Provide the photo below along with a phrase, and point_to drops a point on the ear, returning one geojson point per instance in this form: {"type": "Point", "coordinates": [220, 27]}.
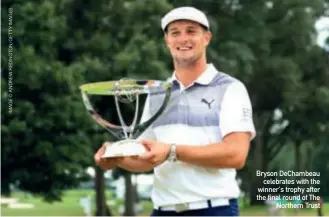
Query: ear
{"type": "Point", "coordinates": [208, 37]}
{"type": "Point", "coordinates": [166, 39]}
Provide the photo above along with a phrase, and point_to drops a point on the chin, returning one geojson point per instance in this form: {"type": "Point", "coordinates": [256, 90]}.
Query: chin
{"type": "Point", "coordinates": [190, 58]}
{"type": "Point", "coordinates": [185, 61]}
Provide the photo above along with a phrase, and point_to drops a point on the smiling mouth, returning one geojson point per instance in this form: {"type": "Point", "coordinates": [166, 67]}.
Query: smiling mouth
{"type": "Point", "coordinates": [184, 48]}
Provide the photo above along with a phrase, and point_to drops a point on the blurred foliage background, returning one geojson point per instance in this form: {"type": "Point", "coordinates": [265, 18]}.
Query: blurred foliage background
{"type": "Point", "coordinates": [49, 139]}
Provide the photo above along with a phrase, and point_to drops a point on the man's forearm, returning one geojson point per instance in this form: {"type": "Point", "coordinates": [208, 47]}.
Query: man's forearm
{"type": "Point", "coordinates": [212, 155]}
{"type": "Point", "coordinates": [134, 165]}
{"type": "Point", "coordinates": [216, 155]}
{"type": "Point", "coordinates": [230, 153]}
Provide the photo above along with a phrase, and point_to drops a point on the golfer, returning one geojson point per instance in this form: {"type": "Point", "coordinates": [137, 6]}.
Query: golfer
{"type": "Point", "coordinates": [203, 136]}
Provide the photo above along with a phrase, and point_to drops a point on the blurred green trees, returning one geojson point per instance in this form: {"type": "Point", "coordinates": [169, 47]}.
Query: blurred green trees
{"type": "Point", "coordinates": [49, 139]}
{"type": "Point", "coordinates": [43, 138]}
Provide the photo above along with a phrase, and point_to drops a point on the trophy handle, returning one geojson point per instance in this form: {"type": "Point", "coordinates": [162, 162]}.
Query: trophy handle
{"type": "Point", "coordinates": [138, 130]}
{"type": "Point", "coordinates": [115, 130]}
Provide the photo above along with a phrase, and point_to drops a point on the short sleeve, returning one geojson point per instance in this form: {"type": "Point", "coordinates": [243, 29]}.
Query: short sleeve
{"type": "Point", "coordinates": [146, 115]}
{"type": "Point", "coordinates": [236, 111]}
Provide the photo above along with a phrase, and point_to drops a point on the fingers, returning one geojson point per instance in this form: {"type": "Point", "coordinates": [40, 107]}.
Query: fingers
{"type": "Point", "coordinates": [136, 157]}
{"type": "Point", "coordinates": [111, 161]}
{"type": "Point", "coordinates": [100, 152]}
{"type": "Point", "coordinates": [117, 159]}
{"type": "Point", "coordinates": [147, 156]}
{"type": "Point", "coordinates": [155, 151]}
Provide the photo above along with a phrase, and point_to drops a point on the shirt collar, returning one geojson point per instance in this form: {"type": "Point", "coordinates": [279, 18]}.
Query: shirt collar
{"type": "Point", "coordinates": [204, 79]}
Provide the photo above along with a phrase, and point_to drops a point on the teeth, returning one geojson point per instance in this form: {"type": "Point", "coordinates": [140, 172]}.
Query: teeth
{"type": "Point", "coordinates": [184, 48]}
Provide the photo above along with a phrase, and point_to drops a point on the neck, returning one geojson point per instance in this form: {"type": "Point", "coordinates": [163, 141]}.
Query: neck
{"type": "Point", "coordinates": [188, 73]}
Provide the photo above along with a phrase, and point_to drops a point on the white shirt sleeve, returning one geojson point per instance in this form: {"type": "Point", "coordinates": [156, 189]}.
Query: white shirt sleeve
{"type": "Point", "coordinates": [236, 111]}
{"type": "Point", "coordinates": [146, 115]}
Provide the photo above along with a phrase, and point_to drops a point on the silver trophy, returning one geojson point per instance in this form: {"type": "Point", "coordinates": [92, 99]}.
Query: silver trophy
{"type": "Point", "coordinates": [126, 92]}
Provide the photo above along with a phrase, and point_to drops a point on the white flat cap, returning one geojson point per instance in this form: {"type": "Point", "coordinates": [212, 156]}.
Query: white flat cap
{"type": "Point", "coordinates": [184, 13]}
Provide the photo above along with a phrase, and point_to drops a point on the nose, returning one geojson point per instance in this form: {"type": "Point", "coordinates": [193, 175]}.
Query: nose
{"type": "Point", "coordinates": [183, 38]}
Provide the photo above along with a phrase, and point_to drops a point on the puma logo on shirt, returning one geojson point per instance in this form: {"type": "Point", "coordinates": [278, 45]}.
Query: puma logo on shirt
{"type": "Point", "coordinates": [206, 102]}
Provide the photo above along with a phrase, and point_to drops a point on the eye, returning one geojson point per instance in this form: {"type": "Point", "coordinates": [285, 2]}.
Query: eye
{"type": "Point", "coordinates": [191, 31]}
{"type": "Point", "coordinates": [174, 33]}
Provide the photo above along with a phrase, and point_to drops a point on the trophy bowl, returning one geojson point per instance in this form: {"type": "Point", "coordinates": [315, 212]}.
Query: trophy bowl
{"type": "Point", "coordinates": [126, 91]}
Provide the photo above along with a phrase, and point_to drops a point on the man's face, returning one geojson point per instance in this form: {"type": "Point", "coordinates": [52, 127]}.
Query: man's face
{"type": "Point", "coordinates": [187, 41]}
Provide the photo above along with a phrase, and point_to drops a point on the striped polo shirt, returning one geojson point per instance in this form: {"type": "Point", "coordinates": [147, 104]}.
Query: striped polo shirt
{"type": "Point", "coordinates": [213, 106]}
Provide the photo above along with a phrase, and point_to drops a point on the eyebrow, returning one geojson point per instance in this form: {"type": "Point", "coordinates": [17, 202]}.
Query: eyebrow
{"type": "Point", "coordinates": [175, 28]}
{"type": "Point", "coordinates": [172, 29]}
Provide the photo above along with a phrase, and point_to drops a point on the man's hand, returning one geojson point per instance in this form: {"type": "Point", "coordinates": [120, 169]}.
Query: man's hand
{"type": "Point", "coordinates": [106, 163]}
{"type": "Point", "coordinates": [157, 151]}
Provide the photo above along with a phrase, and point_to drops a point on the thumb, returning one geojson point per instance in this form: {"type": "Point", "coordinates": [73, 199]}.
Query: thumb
{"type": "Point", "coordinates": [101, 150]}
{"type": "Point", "coordinates": [147, 144]}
